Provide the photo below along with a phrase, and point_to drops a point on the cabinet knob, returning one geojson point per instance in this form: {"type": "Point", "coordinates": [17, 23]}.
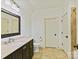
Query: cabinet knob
{"type": "Point", "coordinates": [24, 47]}
{"type": "Point", "coordinates": [66, 36]}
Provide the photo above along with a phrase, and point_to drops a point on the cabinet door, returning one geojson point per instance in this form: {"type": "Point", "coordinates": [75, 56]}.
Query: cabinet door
{"type": "Point", "coordinates": [31, 49]}
{"type": "Point", "coordinates": [17, 54]}
{"type": "Point", "coordinates": [26, 51]}
{"type": "Point", "coordinates": [8, 57]}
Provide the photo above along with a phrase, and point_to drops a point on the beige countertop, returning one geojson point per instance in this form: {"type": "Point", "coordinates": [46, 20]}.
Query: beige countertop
{"type": "Point", "coordinates": [7, 49]}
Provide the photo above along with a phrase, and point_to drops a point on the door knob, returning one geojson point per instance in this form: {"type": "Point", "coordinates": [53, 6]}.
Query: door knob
{"type": "Point", "coordinates": [66, 36]}
{"type": "Point", "coordinates": [54, 34]}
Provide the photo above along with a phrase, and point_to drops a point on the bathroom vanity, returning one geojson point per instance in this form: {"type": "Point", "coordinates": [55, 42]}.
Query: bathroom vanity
{"type": "Point", "coordinates": [14, 48]}
{"type": "Point", "coordinates": [20, 49]}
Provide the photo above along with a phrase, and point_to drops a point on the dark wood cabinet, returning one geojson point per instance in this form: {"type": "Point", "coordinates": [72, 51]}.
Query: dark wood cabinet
{"type": "Point", "coordinates": [31, 49]}
{"type": "Point", "coordinates": [17, 54]}
{"type": "Point", "coordinates": [28, 50]}
{"type": "Point", "coordinates": [25, 52]}
{"type": "Point", "coordinates": [8, 57]}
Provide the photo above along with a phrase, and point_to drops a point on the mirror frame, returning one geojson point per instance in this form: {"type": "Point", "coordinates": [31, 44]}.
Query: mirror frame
{"type": "Point", "coordinates": [14, 15]}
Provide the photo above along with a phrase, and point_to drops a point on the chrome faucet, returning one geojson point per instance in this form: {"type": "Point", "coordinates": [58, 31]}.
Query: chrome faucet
{"type": "Point", "coordinates": [11, 40]}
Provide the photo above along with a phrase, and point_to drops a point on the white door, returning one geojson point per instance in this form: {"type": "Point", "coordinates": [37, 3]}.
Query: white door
{"type": "Point", "coordinates": [52, 32]}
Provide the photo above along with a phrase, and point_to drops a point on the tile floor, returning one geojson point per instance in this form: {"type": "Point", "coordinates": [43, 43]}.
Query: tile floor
{"type": "Point", "coordinates": [50, 53]}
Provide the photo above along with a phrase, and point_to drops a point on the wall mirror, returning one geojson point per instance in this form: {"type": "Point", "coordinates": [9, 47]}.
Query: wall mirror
{"type": "Point", "coordinates": [10, 24]}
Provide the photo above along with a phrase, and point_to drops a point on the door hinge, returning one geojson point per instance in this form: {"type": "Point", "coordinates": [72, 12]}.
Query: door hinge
{"type": "Point", "coordinates": [62, 44]}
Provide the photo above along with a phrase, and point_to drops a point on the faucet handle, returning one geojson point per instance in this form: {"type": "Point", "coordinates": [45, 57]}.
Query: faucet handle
{"type": "Point", "coordinates": [9, 41]}
{"type": "Point", "coordinates": [13, 39]}
{"type": "Point", "coordinates": [5, 42]}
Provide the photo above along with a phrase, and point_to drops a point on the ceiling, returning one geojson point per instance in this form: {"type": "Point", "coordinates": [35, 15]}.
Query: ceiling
{"type": "Point", "coordinates": [48, 3]}
{"type": "Point", "coordinates": [39, 4]}
{"type": "Point", "coordinates": [36, 4]}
